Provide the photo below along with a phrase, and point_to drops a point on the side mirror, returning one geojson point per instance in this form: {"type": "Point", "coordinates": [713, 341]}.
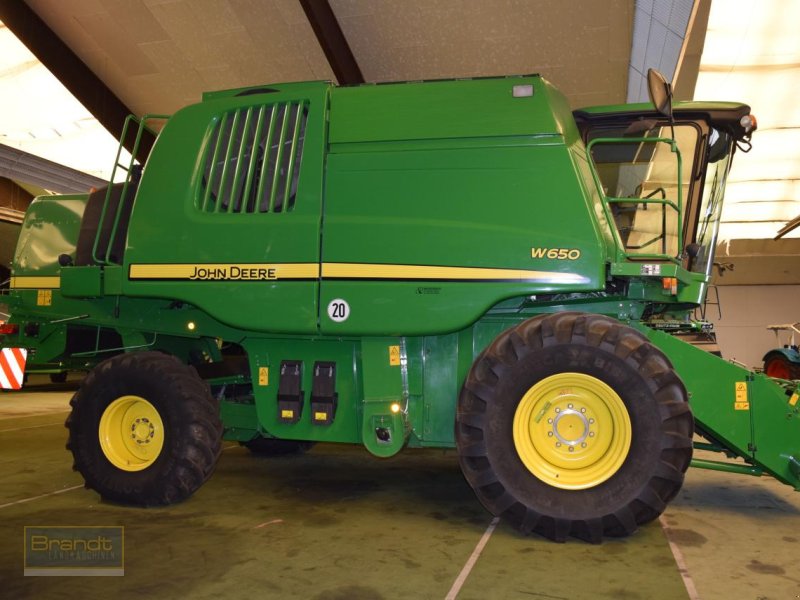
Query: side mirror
{"type": "Point", "coordinates": [692, 250]}
{"type": "Point", "coordinates": [660, 92]}
{"type": "Point", "coordinates": [65, 260]}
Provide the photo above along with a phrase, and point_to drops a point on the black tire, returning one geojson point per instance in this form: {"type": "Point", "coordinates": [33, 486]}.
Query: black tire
{"type": "Point", "coordinates": [192, 429]}
{"type": "Point", "coordinates": [776, 364]}
{"type": "Point", "coordinates": [58, 377]}
{"type": "Point", "coordinates": [274, 447]}
{"type": "Point", "coordinates": [661, 427]}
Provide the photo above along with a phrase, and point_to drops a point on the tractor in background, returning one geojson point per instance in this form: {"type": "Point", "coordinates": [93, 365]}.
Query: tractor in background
{"type": "Point", "coordinates": [783, 362]}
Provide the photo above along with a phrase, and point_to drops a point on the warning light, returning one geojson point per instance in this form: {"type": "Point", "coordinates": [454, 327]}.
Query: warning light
{"type": "Point", "coordinates": [191, 326]}
{"type": "Point", "coordinates": [8, 328]}
{"type": "Point", "coordinates": [748, 123]}
{"type": "Point", "coordinates": [670, 285]}
{"type": "Point", "coordinates": [395, 408]}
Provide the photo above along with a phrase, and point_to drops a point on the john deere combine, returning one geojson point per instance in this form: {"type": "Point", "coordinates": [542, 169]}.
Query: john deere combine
{"type": "Point", "coordinates": [462, 264]}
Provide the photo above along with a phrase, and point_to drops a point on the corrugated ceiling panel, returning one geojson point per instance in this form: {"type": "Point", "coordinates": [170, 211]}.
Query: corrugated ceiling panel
{"type": "Point", "coordinates": [160, 55]}
{"type": "Point", "coordinates": [582, 47]}
{"type": "Point", "coordinates": [752, 54]}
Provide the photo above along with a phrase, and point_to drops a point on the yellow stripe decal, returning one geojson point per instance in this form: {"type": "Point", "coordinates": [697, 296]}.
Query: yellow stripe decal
{"type": "Point", "coordinates": [32, 283]}
{"type": "Point", "coordinates": [275, 271]}
{"type": "Point", "coordinates": [425, 272]}
{"type": "Point", "coordinates": [227, 271]}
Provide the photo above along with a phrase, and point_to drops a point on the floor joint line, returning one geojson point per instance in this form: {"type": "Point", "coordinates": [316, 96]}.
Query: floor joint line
{"type": "Point", "coordinates": [465, 571]}
{"type": "Point", "coordinates": [31, 499]}
{"type": "Point", "coordinates": [688, 582]}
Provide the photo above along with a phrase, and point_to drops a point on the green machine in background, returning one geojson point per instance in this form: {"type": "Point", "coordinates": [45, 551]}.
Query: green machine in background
{"type": "Point", "coordinates": [462, 264]}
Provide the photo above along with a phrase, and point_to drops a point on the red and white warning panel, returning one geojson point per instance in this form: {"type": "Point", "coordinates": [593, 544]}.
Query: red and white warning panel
{"type": "Point", "coordinates": [12, 367]}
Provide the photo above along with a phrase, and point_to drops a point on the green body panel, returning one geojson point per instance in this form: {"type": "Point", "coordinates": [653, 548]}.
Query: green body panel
{"type": "Point", "coordinates": [50, 228]}
{"type": "Point", "coordinates": [403, 218]}
{"type": "Point", "coordinates": [433, 184]}
{"type": "Point", "coordinates": [477, 108]}
{"type": "Point", "coordinates": [267, 353]}
{"type": "Point", "coordinates": [82, 282]}
{"type": "Point", "coordinates": [384, 364]}
{"type": "Point", "coordinates": [648, 286]}
{"type": "Point", "coordinates": [414, 190]}
{"type": "Point", "coordinates": [165, 209]}
{"type": "Point", "coordinates": [758, 424]}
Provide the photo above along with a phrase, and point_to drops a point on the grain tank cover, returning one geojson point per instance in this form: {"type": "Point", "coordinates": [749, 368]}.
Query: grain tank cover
{"type": "Point", "coordinates": [442, 110]}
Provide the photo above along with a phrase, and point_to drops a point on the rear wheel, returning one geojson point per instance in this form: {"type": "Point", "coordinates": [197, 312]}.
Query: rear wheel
{"type": "Point", "coordinates": [574, 424]}
{"type": "Point", "coordinates": [144, 429]}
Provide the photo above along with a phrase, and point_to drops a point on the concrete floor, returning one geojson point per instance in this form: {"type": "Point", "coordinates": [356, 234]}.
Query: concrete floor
{"type": "Point", "coordinates": [339, 524]}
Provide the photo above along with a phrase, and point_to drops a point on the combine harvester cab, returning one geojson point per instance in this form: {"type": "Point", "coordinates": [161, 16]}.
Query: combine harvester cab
{"type": "Point", "coordinates": [443, 264]}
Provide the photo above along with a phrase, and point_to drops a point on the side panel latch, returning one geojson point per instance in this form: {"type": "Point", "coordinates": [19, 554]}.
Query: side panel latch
{"type": "Point", "coordinates": [323, 393]}
{"type": "Point", "coordinates": [290, 396]}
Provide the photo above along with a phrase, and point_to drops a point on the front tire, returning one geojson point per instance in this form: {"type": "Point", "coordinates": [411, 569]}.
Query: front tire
{"type": "Point", "coordinates": [144, 429]}
{"type": "Point", "coordinates": [574, 424]}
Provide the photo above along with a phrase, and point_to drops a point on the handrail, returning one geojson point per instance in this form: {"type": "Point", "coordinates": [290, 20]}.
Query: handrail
{"type": "Point", "coordinates": [141, 122]}
{"type": "Point", "coordinates": [668, 202]}
{"type": "Point", "coordinates": [606, 200]}
{"type": "Point", "coordinates": [664, 202]}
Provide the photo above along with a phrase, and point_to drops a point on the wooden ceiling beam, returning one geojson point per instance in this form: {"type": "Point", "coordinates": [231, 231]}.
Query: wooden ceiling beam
{"type": "Point", "coordinates": [333, 42]}
{"type": "Point", "coordinates": [13, 197]}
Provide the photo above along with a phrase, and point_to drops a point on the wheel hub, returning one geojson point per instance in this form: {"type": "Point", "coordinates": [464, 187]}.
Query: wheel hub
{"type": "Point", "coordinates": [571, 427]}
{"type": "Point", "coordinates": [143, 430]}
{"type": "Point", "coordinates": [572, 431]}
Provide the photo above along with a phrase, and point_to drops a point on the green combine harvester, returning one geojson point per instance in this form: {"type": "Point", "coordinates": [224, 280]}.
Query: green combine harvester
{"type": "Point", "coordinates": [465, 264]}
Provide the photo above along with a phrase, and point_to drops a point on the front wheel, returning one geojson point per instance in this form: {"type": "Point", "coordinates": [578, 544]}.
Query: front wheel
{"type": "Point", "coordinates": [574, 424]}
{"type": "Point", "coordinates": [144, 429]}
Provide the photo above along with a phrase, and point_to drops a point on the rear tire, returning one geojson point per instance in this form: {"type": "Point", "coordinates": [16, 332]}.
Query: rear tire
{"type": "Point", "coordinates": [144, 429]}
{"type": "Point", "coordinates": [58, 377]}
{"type": "Point", "coordinates": [574, 424]}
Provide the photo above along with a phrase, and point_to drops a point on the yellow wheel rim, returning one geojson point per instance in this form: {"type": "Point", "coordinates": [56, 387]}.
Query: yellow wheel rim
{"type": "Point", "coordinates": [572, 431]}
{"type": "Point", "coordinates": [131, 433]}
